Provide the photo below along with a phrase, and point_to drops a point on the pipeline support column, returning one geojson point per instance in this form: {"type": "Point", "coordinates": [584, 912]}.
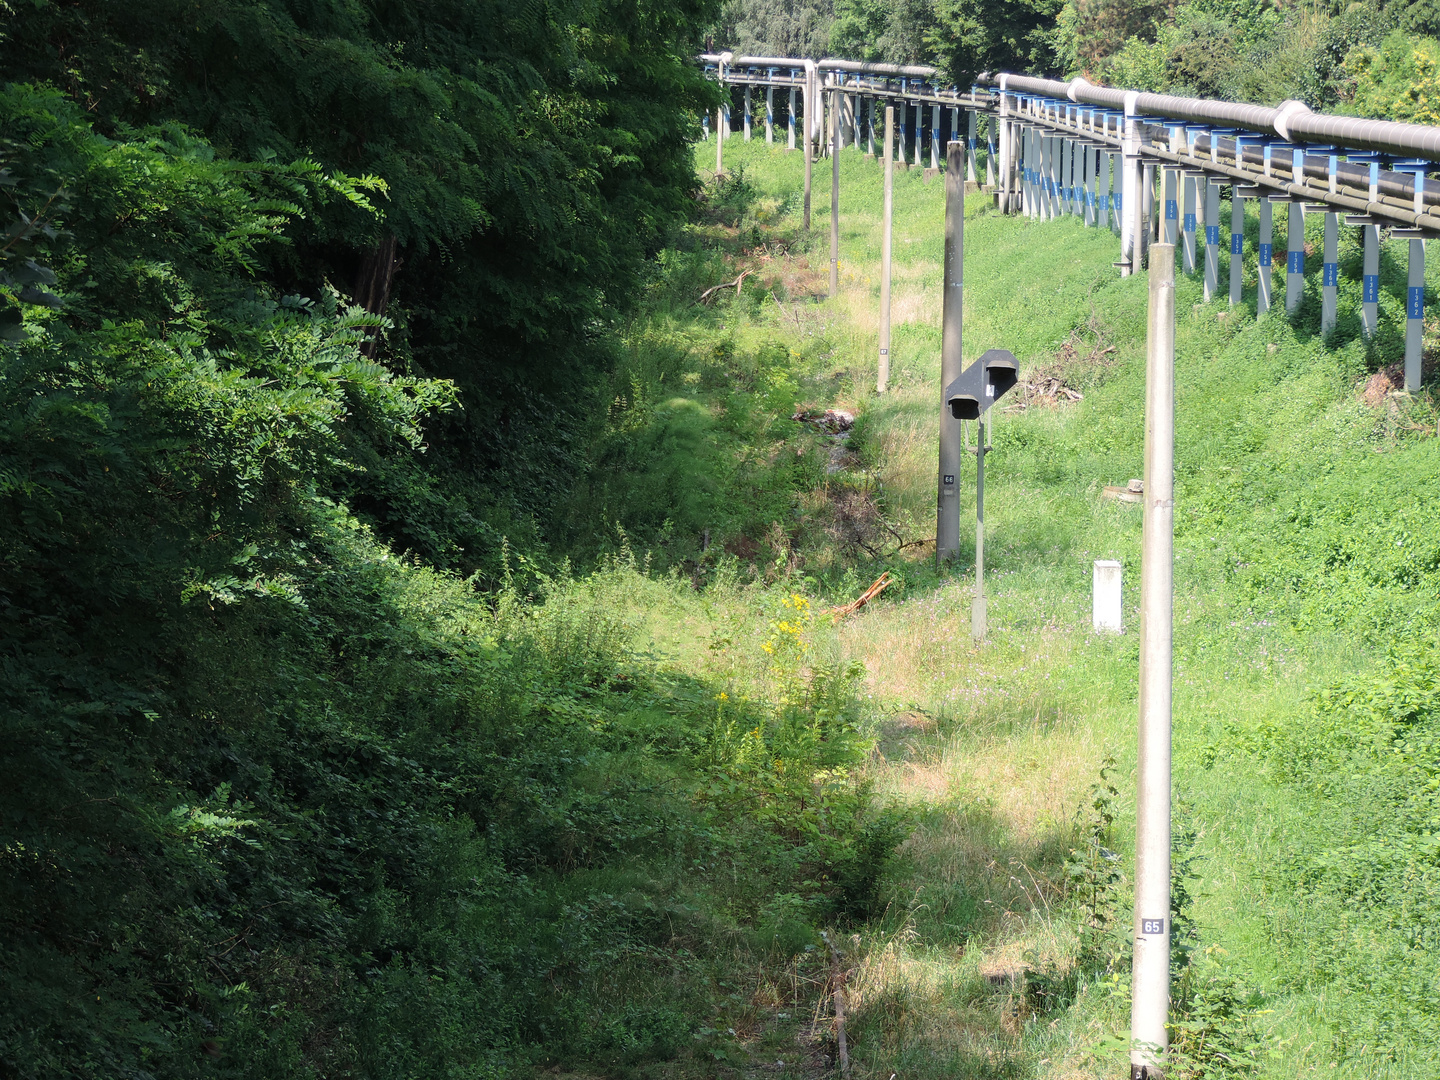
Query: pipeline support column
{"type": "Point", "coordinates": [1267, 247]}
{"type": "Point", "coordinates": [882, 382]}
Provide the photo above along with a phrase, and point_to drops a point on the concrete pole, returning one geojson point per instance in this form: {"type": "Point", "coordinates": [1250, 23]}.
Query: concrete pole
{"type": "Point", "coordinates": [919, 132]}
{"type": "Point", "coordinates": [970, 172]}
{"type": "Point", "coordinates": [725, 129]}
{"type": "Point", "coordinates": [769, 116]}
{"type": "Point", "coordinates": [979, 623]}
{"type": "Point", "coordinates": [1092, 184]}
{"type": "Point", "coordinates": [747, 114]}
{"type": "Point", "coordinates": [1267, 235]}
{"type": "Point", "coordinates": [952, 360]}
{"type": "Point", "coordinates": [1148, 219]}
{"type": "Point", "coordinates": [1189, 222]}
{"type": "Point", "coordinates": [1027, 171]}
{"type": "Point", "coordinates": [1052, 176]}
{"type": "Point", "coordinates": [1005, 179]}
{"type": "Point", "coordinates": [886, 240]}
{"type": "Point", "coordinates": [1294, 256]}
{"type": "Point", "coordinates": [1414, 311]}
{"type": "Point", "coordinates": [834, 196]}
{"type": "Point", "coordinates": [1103, 184]}
{"type": "Point", "coordinates": [1370, 282]}
{"type": "Point", "coordinates": [790, 121]}
{"type": "Point", "coordinates": [1212, 239]}
{"type": "Point", "coordinates": [1330, 274]}
{"type": "Point", "coordinates": [870, 127]}
{"type": "Point", "coordinates": [934, 136]}
{"type": "Point", "coordinates": [719, 140]}
{"type": "Point", "coordinates": [1150, 1001]}
{"type": "Point", "coordinates": [1237, 243]}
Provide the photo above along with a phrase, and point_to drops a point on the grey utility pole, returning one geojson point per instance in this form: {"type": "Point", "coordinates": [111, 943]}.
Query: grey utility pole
{"type": "Point", "coordinates": [835, 109]}
{"type": "Point", "coordinates": [952, 359]}
{"type": "Point", "coordinates": [882, 381]}
{"type": "Point", "coordinates": [1150, 1003]}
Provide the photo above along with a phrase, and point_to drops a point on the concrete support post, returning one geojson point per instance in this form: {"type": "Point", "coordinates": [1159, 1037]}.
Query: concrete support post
{"type": "Point", "coordinates": [1267, 236]}
{"type": "Point", "coordinates": [1237, 243]}
{"type": "Point", "coordinates": [882, 382]}
{"type": "Point", "coordinates": [747, 114]}
{"type": "Point", "coordinates": [1103, 162]}
{"type": "Point", "coordinates": [990, 154]}
{"type": "Point", "coordinates": [1212, 239]}
{"type": "Point", "coordinates": [970, 144]}
{"type": "Point", "coordinates": [1414, 313]}
{"type": "Point", "coordinates": [769, 116]}
{"type": "Point", "coordinates": [919, 132]}
{"type": "Point", "coordinates": [834, 195]}
{"type": "Point", "coordinates": [790, 122]}
{"type": "Point", "coordinates": [1128, 205]}
{"type": "Point", "coordinates": [935, 136]}
{"type": "Point", "coordinates": [1189, 222]}
{"type": "Point", "coordinates": [1370, 282]}
{"type": "Point", "coordinates": [1150, 1000]}
{"type": "Point", "coordinates": [1057, 177]}
{"type": "Point", "coordinates": [1092, 186]}
{"type": "Point", "coordinates": [1294, 257]}
{"type": "Point", "coordinates": [1066, 179]}
{"type": "Point", "coordinates": [1004, 178]}
{"type": "Point", "coordinates": [705, 126]}
{"type": "Point", "coordinates": [725, 128]}
{"type": "Point", "coordinates": [870, 126]}
{"type": "Point", "coordinates": [952, 359]}
{"type": "Point", "coordinates": [1170, 233]}
{"type": "Point", "coordinates": [1148, 217]}
{"type": "Point", "coordinates": [1106, 610]}
{"type": "Point", "coordinates": [1330, 274]}
{"type": "Point", "coordinates": [808, 148]}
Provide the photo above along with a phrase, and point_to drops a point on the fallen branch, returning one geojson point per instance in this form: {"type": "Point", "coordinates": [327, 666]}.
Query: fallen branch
{"type": "Point", "coordinates": [705, 296]}
{"type": "Point", "coordinates": [837, 995]}
{"type": "Point", "coordinates": [881, 584]}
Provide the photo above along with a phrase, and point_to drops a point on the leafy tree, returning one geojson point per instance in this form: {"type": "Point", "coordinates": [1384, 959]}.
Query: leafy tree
{"type": "Point", "coordinates": [799, 28]}
{"type": "Point", "coordinates": [1398, 81]}
{"type": "Point", "coordinates": [874, 30]}
{"type": "Point", "coordinates": [1007, 35]}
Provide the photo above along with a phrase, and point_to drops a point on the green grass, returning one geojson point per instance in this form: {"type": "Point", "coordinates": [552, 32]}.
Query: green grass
{"type": "Point", "coordinates": [1306, 548]}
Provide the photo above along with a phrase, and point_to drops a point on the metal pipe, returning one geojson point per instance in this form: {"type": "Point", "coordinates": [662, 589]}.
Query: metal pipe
{"type": "Point", "coordinates": [834, 195]}
{"type": "Point", "coordinates": [1150, 1001]}
{"type": "Point", "coordinates": [882, 383]}
{"type": "Point", "coordinates": [952, 360]}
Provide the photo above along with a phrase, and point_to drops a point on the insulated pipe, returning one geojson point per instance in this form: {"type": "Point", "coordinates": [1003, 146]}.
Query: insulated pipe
{"type": "Point", "coordinates": [1294, 256]}
{"type": "Point", "coordinates": [1330, 274]}
{"type": "Point", "coordinates": [882, 382]}
{"type": "Point", "coordinates": [1212, 239]}
{"type": "Point", "coordinates": [1150, 994]}
{"type": "Point", "coordinates": [952, 359]}
{"type": "Point", "coordinates": [1267, 236]}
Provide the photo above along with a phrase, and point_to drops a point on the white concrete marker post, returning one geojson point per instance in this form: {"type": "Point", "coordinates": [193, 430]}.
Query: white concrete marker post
{"type": "Point", "coordinates": [1150, 1001]}
{"type": "Point", "coordinates": [1105, 606]}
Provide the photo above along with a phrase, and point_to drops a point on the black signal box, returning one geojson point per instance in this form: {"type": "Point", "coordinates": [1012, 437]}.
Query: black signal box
{"type": "Point", "coordinates": [982, 384]}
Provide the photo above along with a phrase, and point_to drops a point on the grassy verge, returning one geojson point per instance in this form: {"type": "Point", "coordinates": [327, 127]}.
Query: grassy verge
{"type": "Point", "coordinates": [1307, 583]}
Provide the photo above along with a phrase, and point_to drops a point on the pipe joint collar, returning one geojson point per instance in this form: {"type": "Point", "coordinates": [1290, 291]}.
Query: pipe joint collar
{"type": "Point", "coordinates": [1283, 115]}
{"type": "Point", "coordinates": [1074, 87]}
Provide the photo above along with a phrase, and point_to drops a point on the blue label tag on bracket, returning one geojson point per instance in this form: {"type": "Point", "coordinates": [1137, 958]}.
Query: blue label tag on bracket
{"type": "Point", "coordinates": [1370, 289]}
{"type": "Point", "coordinates": [1296, 263]}
{"type": "Point", "coordinates": [1415, 302]}
{"type": "Point", "coordinates": [1172, 210]}
{"type": "Point", "coordinates": [1330, 274]}
{"type": "Point", "coordinates": [1212, 234]}
{"type": "Point", "coordinates": [1265, 250]}
{"type": "Point", "coordinates": [1189, 222]}
{"type": "Point", "coordinates": [1237, 243]}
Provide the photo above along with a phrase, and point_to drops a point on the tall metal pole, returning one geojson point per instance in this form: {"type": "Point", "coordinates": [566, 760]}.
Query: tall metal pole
{"type": "Point", "coordinates": [835, 100]}
{"type": "Point", "coordinates": [979, 624]}
{"type": "Point", "coordinates": [952, 361]}
{"type": "Point", "coordinates": [1150, 1002]}
{"type": "Point", "coordinates": [882, 382]}
{"type": "Point", "coordinates": [805, 138]}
